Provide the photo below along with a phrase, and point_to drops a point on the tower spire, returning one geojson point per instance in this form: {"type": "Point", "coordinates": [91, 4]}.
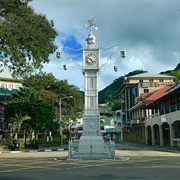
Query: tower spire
{"type": "Point", "coordinates": [91, 40]}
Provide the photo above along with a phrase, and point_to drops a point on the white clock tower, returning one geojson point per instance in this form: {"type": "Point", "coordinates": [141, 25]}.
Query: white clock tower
{"type": "Point", "coordinates": [90, 68]}
{"type": "Point", "coordinates": [91, 143]}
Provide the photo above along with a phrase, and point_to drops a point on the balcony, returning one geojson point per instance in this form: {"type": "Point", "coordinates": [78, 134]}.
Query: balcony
{"type": "Point", "coordinates": [135, 121]}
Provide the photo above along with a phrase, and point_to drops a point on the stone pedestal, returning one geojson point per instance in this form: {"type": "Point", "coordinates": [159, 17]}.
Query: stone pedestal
{"type": "Point", "coordinates": [93, 147]}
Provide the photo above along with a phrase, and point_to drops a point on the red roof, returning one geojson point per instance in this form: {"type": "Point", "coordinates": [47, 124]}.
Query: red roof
{"type": "Point", "coordinates": [157, 94]}
{"type": "Point", "coordinates": [144, 96]}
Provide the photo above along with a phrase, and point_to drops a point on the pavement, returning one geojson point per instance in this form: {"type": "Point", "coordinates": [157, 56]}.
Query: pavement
{"type": "Point", "coordinates": [118, 146]}
{"type": "Point", "coordinates": [149, 147]}
{"type": "Point", "coordinates": [43, 149]}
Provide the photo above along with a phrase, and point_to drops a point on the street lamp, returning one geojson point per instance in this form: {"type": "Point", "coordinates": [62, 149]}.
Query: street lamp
{"type": "Point", "coordinates": [109, 59]}
{"type": "Point", "coordinates": [60, 115]}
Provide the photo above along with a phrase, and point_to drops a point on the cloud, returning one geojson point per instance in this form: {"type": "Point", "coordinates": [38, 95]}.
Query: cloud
{"type": "Point", "coordinates": [148, 30]}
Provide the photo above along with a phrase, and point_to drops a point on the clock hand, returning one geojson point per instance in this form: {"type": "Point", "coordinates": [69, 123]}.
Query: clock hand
{"type": "Point", "coordinates": [90, 58]}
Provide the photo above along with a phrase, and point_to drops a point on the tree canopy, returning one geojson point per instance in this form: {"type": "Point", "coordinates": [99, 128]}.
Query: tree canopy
{"type": "Point", "coordinates": [26, 38]}
{"type": "Point", "coordinates": [52, 89]}
{"type": "Point", "coordinates": [27, 102]}
{"type": "Point", "coordinates": [176, 74]}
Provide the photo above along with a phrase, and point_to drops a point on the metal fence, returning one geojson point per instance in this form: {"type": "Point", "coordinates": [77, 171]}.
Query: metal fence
{"type": "Point", "coordinates": [91, 150]}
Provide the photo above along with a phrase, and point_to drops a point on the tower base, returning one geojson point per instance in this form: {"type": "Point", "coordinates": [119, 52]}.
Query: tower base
{"type": "Point", "coordinates": [91, 147]}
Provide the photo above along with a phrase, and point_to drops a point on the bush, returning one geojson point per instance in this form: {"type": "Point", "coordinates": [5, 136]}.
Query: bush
{"type": "Point", "coordinates": [37, 143]}
{"type": "Point", "coordinates": [7, 142]}
{"type": "Point", "coordinates": [56, 139]}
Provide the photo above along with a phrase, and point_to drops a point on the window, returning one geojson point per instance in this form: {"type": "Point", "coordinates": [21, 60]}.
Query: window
{"type": "Point", "coordinates": [166, 104]}
{"type": "Point", "coordinates": [10, 86]}
{"type": "Point", "coordinates": [141, 80]}
{"type": "Point", "coordinates": [151, 80]}
{"type": "Point", "coordinates": [16, 86]}
{"type": "Point", "coordinates": [161, 80]}
{"type": "Point", "coordinates": [3, 85]}
{"type": "Point", "coordinates": [173, 101]}
{"type": "Point", "coordinates": [146, 90]}
{"type": "Point", "coordinates": [118, 115]}
{"type": "Point", "coordinates": [178, 99]}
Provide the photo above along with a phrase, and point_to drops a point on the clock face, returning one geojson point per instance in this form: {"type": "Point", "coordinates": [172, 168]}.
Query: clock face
{"type": "Point", "coordinates": [91, 59]}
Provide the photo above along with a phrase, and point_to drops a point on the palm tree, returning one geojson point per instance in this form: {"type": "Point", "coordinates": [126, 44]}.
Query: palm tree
{"type": "Point", "coordinates": [18, 122]}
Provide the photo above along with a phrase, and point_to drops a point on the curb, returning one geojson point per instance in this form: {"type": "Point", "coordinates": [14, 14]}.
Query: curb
{"type": "Point", "coordinates": [29, 151]}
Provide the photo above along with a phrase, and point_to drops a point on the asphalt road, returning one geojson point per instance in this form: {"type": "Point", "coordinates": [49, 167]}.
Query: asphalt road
{"type": "Point", "coordinates": [131, 163]}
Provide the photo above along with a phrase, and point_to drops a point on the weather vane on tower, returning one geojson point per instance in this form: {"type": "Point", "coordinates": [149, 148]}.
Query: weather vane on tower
{"type": "Point", "coordinates": [90, 24]}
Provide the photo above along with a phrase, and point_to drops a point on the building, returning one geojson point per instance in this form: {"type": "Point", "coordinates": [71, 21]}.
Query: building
{"type": "Point", "coordinates": [132, 88]}
{"type": "Point", "coordinates": [139, 113]}
{"type": "Point", "coordinates": [106, 121]}
{"type": "Point", "coordinates": [118, 125]}
{"type": "Point", "coordinates": [8, 84]}
{"type": "Point", "coordinates": [162, 125]}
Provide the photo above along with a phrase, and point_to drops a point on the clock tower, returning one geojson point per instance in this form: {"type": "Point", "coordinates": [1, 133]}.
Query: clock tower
{"type": "Point", "coordinates": [91, 143]}
{"type": "Point", "coordinates": [90, 68]}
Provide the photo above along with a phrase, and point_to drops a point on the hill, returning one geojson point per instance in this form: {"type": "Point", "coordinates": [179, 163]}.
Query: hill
{"type": "Point", "coordinates": [169, 71]}
{"type": "Point", "coordinates": [110, 92]}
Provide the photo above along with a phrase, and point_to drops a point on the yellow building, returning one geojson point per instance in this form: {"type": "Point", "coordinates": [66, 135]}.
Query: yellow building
{"type": "Point", "coordinates": [162, 125]}
{"type": "Point", "coordinates": [132, 88]}
{"type": "Point", "coordinates": [8, 84]}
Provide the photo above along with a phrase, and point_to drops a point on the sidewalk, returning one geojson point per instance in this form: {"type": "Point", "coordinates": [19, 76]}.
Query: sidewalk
{"type": "Point", "coordinates": [44, 149]}
{"type": "Point", "coordinates": [153, 147]}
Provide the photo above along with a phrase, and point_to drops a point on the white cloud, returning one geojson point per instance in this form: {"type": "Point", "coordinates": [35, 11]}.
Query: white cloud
{"type": "Point", "coordinates": [147, 30]}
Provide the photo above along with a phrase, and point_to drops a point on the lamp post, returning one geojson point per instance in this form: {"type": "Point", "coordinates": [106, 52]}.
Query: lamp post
{"type": "Point", "coordinates": [60, 115]}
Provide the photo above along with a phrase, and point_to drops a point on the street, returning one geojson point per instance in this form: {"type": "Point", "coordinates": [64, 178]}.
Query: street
{"type": "Point", "coordinates": [130, 163]}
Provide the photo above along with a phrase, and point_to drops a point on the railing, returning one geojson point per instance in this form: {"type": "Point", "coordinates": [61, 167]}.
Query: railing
{"type": "Point", "coordinates": [170, 109]}
{"type": "Point", "coordinates": [135, 121]}
{"type": "Point", "coordinates": [155, 84]}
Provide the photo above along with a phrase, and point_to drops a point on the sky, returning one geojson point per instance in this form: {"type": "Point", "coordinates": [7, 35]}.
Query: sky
{"type": "Point", "coordinates": [148, 30]}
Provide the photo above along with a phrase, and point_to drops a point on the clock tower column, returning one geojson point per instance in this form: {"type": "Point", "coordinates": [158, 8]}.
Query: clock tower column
{"type": "Point", "coordinates": [91, 143]}
{"type": "Point", "coordinates": [91, 117]}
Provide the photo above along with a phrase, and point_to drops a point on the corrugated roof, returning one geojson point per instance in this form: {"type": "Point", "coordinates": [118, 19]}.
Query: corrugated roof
{"type": "Point", "coordinates": [6, 74]}
{"type": "Point", "coordinates": [152, 75]}
{"type": "Point", "coordinates": [106, 121]}
{"type": "Point", "coordinates": [105, 110]}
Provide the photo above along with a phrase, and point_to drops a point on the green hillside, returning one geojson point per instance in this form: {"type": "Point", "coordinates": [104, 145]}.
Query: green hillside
{"type": "Point", "coordinates": [110, 92]}
{"type": "Point", "coordinates": [169, 71]}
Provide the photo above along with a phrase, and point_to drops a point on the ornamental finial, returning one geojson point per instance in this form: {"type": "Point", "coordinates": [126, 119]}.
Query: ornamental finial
{"type": "Point", "coordinates": [90, 24]}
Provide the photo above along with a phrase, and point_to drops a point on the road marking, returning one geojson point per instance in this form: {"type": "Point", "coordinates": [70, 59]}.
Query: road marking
{"type": "Point", "coordinates": [14, 152]}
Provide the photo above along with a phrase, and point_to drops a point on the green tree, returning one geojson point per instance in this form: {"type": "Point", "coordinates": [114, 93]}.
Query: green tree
{"type": "Point", "coordinates": [18, 120]}
{"type": "Point", "coordinates": [176, 74]}
{"type": "Point", "coordinates": [26, 38]}
{"type": "Point", "coordinates": [28, 102]}
{"type": "Point", "coordinates": [52, 89]}
{"type": "Point", "coordinates": [115, 105]}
